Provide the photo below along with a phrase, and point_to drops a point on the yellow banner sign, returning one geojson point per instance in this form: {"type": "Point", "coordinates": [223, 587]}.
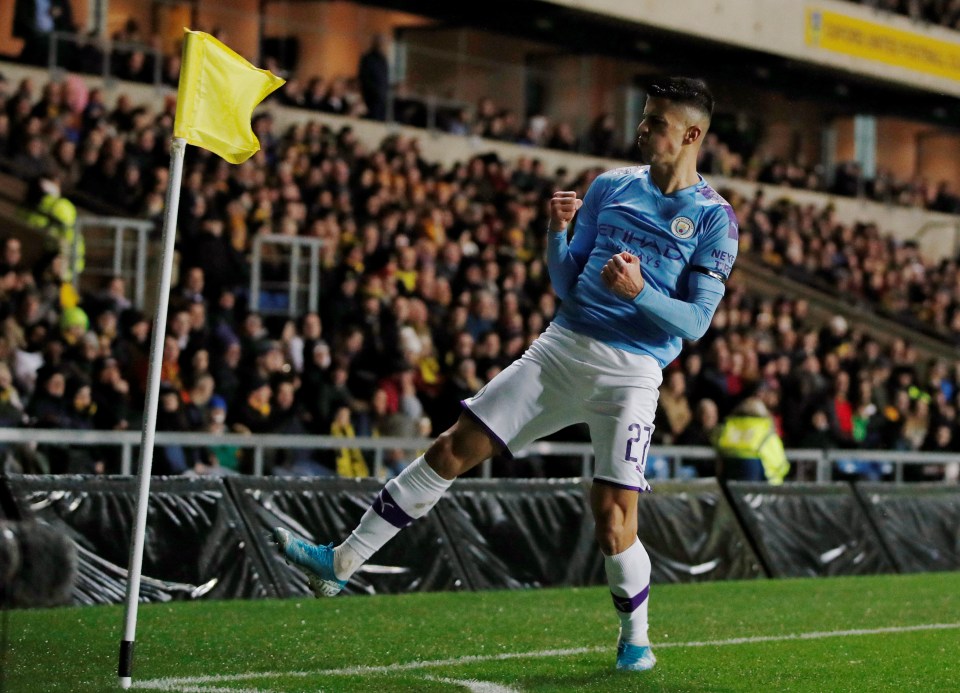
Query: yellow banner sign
{"type": "Point", "coordinates": [841, 33]}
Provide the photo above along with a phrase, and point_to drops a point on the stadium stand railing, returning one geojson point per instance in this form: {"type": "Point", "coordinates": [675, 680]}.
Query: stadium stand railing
{"type": "Point", "coordinates": [300, 256]}
{"type": "Point", "coordinates": [819, 462]}
{"type": "Point", "coordinates": [102, 51]}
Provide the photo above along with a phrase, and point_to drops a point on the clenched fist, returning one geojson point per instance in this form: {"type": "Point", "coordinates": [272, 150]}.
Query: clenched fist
{"type": "Point", "coordinates": [563, 205]}
{"type": "Point", "coordinates": [622, 275]}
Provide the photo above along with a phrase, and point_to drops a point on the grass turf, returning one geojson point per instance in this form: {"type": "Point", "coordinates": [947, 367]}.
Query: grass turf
{"type": "Point", "coordinates": [75, 649]}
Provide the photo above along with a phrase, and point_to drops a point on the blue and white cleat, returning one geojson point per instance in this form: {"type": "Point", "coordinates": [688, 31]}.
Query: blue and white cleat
{"type": "Point", "coordinates": [316, 562]}
{"type": "Point", "coordinates": [634, 657]}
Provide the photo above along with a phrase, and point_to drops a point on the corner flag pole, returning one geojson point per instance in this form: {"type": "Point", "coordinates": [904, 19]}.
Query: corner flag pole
{"type": "Point", "coordinates": [125, 671]}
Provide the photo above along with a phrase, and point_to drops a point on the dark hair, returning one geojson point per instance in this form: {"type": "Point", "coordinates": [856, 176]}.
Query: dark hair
{"type": "Point", "coordinates": [683, 90]}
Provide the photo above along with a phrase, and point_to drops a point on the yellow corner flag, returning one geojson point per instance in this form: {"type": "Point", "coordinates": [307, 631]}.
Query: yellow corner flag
{"type": "Point", "coordinates": [217, 94]}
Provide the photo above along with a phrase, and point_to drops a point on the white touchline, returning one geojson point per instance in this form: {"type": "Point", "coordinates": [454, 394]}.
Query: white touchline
{"type": "Point", "coordinates": [475, 686]}
{"type": "Point", "coordinates": [205, 689]}
{"type": "Point", "coordinates": [169, 684]}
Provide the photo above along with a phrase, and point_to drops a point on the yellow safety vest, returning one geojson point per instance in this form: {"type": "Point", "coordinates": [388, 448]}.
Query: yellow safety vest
{"type": "Point", "coordinates": [58, 216]}
{"type": "Point", "coordinates": [751, 438]}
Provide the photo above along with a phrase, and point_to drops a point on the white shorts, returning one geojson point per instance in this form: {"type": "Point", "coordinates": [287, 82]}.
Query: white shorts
{"type": "Point", "coordinates": [565, 378]}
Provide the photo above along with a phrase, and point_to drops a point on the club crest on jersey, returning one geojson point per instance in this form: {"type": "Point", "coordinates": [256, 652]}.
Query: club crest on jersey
{"type": "Point", "coordinates": [682, 227]}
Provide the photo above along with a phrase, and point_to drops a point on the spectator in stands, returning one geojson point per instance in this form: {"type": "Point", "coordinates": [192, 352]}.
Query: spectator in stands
{"type": "Point", "coordinates": [819, 433]}
{"type": "Point", "coordinates": [33, 161]}
{"type": "Point", "coordinates": [219, 459]}
{"type": "Point", "coordinates": [47, 209]}
{"type": "Point", "coordinates": [225, 370]}
{"type": "Point", "coordinates": [603, 137]}
{"type": "Point", "coordinates": [82, 459]}
{"type": "Point", "coordinates": [11, 406]}
{"type": "Point", "coordinates": [700, 433]}
{"type": "Point", "coordinates": [396, 413]}
{"type": "Point", "coordinates": [252, 414]}
{"type": "Point", "coordinates": [350, 462]}
{"type": "Point", "coordinates": [222, 267]}
{"type": "Point", "coordinates": [748, 445]}
{"type": "Point", "coordinates": [674, 407]}
{"type": "Point", "coordinates": [48, 408]}
{"type": "Point", "coordinates": [173, 459]}
{"type": "Point", "coordinates": [288, 418]}
{"type": "Point", "coordinates": [111, 395]}
{"type": "Point", "coordinates": [170, 371]}
{"type": "Point", "coordinates": [197, 400]}
{"type": "Point", "coordinates": [11, 259]}
{"type": "Point", "coordinates": [840, 409]}
{"type": "Point", "coordinates": [34, 21]}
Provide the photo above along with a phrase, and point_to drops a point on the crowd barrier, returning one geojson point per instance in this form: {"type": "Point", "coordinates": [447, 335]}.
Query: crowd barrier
{"type": "Point", "coordinates": [665, 461]}
{"type": "Point", "coordinates": [209, 538]}
{"type": "Point", "coordinates": [805, 530]}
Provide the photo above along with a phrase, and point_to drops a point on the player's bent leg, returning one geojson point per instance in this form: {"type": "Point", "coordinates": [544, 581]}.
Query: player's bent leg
{"type": "Point", "coordinates": [404, 499]}
{"type": "Point", "coordinates": [628, 571]}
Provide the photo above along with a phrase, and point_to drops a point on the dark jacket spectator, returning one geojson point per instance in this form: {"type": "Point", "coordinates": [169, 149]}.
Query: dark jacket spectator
{"type": "Point", "coordinates": [374, 77]}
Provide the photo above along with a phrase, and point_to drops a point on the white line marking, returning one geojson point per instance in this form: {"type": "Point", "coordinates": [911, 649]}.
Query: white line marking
{"type": "Point", "coordinates": [206, 689]}
{"type": "Point", "coordinates": [170, 684]}
{"type": "Point", "coordinates": [475, 686]}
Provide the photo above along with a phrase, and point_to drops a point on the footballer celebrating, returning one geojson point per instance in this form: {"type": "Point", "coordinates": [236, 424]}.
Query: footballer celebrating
{"type": "Point", "coordinates": [651, 250]}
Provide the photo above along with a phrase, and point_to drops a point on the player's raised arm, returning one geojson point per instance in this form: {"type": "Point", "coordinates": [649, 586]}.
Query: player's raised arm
{"type": "Point", "coordinates": [563, 205]}
{"type": "Point", "coordinates": [561, 264]}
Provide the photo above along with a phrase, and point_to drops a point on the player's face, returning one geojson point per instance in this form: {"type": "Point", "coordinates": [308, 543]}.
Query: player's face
{"type": "Point", "coordinates": [661, 133]}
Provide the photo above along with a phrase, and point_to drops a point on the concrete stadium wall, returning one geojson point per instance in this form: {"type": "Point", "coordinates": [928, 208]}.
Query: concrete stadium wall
{"type": "Point", "coordinates": [775, 26]}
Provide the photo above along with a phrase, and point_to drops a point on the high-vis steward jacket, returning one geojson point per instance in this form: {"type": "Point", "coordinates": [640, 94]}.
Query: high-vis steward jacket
{"type": "Point", "coordinates": [751, 438]}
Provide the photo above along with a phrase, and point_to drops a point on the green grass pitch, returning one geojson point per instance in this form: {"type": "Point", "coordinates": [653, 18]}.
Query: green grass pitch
{"type": "Point", "coordinates": [762, 635]}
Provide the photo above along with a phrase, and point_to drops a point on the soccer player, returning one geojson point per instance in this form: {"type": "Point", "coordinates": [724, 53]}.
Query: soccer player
{"type": "Point", "coordinates": [652, 248]}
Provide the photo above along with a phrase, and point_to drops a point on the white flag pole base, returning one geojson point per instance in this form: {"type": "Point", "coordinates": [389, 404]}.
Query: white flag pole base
{"type": "Point", "coordinates": [125, 670]}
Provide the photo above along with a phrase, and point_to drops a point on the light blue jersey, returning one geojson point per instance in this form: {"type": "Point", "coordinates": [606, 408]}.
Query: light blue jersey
{"type": "Point", "coordinates": [686, 242]}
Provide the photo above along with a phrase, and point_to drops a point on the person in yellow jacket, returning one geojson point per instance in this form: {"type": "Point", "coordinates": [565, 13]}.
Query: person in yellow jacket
{"type": "Point", "coordinates": [748, 445]}
{"type": "Point", "coordinates": [350, 462]}
{"type": "Point", "coordinates": [48, 210]}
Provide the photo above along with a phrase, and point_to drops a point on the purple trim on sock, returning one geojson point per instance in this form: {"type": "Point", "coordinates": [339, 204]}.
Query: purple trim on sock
{"type": "Point", "coordinates": [387, 508]}
{"type": "Point", "coordinates": [628, 605]}
{"type": "Point", "coordinates": [483, 425]}
{"type": "Point", "coordinates": [617, 484]}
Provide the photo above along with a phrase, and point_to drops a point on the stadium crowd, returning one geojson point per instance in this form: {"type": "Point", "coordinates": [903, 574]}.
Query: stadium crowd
{"type": "Point", "coordinates": [432, 281]}
{"type": "Point", "coordinates": [135, 56]}
{"type": "Point", "coordinates": [855, 262]}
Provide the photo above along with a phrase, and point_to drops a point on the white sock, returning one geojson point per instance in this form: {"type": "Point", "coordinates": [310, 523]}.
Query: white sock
{"type": "Point", "coordinates": [628, 574]}
{"type": "Point", "coordinates": [404, 499]}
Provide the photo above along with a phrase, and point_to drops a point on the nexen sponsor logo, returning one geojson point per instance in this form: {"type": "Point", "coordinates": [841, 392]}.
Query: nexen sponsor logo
{"type": "Point", "coordinates": [723, 261]}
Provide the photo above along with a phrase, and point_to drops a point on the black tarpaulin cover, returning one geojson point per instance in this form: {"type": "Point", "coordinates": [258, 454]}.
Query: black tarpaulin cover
{"type": "Point", "coordinates": [499, 534]}
{"type": "Point", "coordinates": [805, 530]}
{"type": "Point", "coordinates": [522, 533]}
{"type": "Point", "coordinates": [692, 535]}
{"type": "Point", "coordinates": [195, 546]}
{"type": "Point", "coordinates": [919, 524]}
{"type": "Point", "coordinates": [420, 558]}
